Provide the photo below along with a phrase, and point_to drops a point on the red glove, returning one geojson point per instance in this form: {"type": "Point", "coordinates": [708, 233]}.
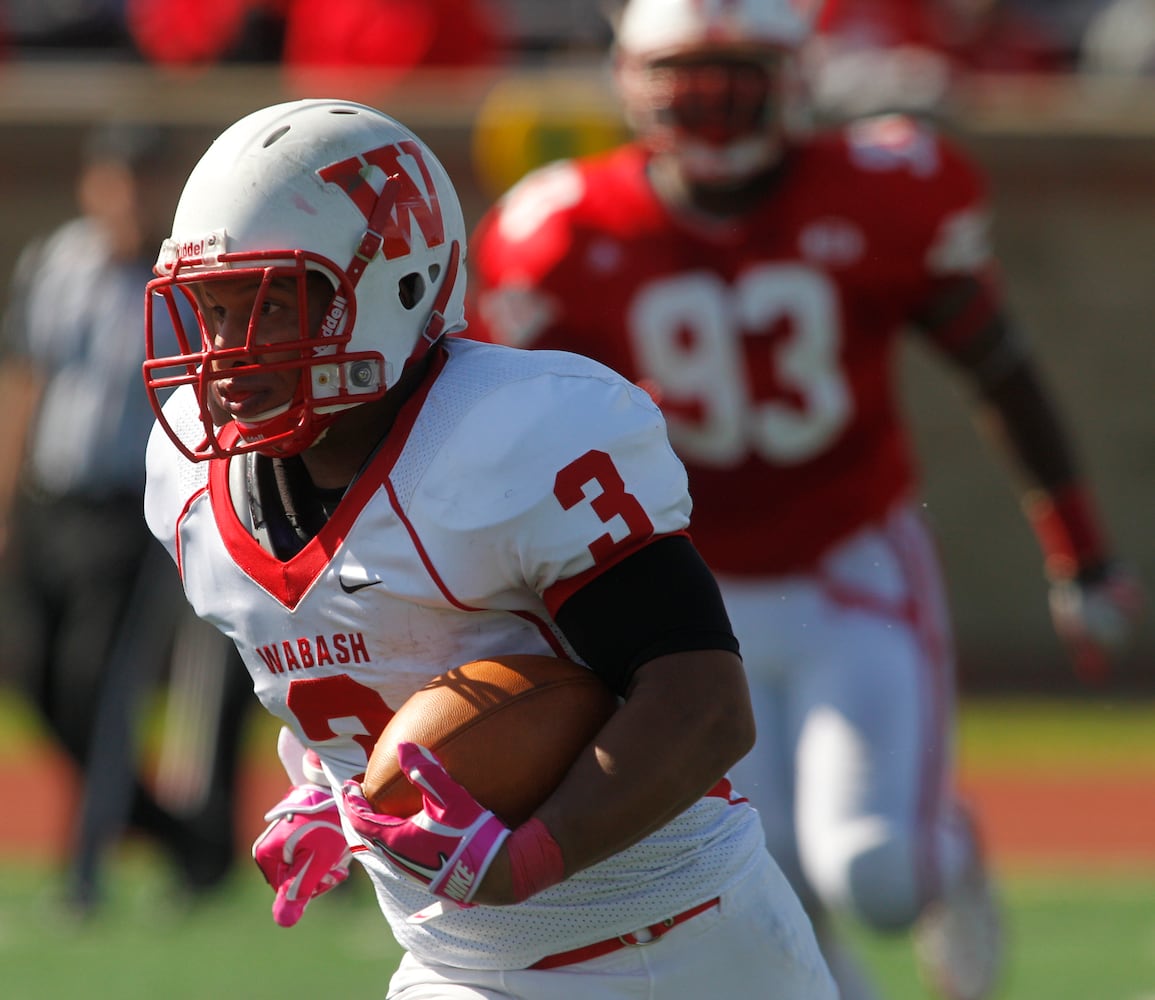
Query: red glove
{"type": "Point", "coordinates": [302, 852]}
{"type": "Point", "coordinates": [448, 846]}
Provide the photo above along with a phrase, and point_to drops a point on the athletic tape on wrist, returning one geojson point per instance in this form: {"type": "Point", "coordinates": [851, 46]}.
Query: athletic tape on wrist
{"type": "Point", "coordinates": [1067, 528]}
{"type": "Point", "coordinates": [535, 859]}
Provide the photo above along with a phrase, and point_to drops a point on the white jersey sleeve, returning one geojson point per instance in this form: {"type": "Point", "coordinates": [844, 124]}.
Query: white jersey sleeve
{"type": "Point", "coordinates": [173, 480]}
{"type": "Point", "coordinates": [559, 468]}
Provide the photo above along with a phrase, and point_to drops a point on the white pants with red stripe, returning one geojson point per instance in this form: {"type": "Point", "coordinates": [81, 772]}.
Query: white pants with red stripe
{"type": "Point", "coordinates": [851, 672]}
{"type": "Point", "coordinates": [750, 945]}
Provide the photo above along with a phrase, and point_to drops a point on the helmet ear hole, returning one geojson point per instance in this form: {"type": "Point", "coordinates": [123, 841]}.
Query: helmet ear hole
{"type": "Point", "coordinates": [411, 290]}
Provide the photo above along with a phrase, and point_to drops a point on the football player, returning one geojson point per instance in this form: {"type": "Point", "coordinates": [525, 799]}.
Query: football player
{"type": "Point", "coordinates": [361, 501]}
{"type": "Point", "coordinates": [755, 276]}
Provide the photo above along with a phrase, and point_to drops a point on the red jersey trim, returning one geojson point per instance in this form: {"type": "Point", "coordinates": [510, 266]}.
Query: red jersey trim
{"type": "Point", "coordinates": [724, 790]}
{"type": "Point", "coordinates": [179, 521]}
{"type": "Point", "coordinates": [436, 577]}
{"type": "Point", "coordinates": [289, 580]}
{"type": "Point", "coordinates": [563, 590]}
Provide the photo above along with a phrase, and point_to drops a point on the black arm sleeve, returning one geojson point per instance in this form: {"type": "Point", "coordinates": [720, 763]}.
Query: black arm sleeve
{"type": "Point", "coordinates": [662, 599]}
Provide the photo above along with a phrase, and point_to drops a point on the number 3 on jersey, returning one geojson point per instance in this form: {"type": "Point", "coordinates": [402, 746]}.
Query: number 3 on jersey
{"type": "Point", "coordinates": [597, 469]}
{"type": "Point", "coordinates": [751, 367]}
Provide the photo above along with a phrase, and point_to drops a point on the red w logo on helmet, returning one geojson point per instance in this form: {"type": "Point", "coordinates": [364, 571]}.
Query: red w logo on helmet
{"type": "Point", "coordinates": [401, 202]}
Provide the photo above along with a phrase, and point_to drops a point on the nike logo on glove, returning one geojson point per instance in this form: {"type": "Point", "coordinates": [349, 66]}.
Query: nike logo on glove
{"type": "Point", "coordinates": [293, 888]}
{"type": "Point", "coordinates": [413, 867]}
{"type": "Point", "coordinates": [352, 588]}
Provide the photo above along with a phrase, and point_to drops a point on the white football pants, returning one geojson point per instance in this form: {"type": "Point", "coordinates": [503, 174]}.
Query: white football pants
{"type": "Point", "coordinates": [851, 672]}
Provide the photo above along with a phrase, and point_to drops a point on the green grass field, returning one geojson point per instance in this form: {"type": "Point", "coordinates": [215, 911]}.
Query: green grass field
{"type": "Point", "coordinates": [1070, 936]}
{"type": "Point", "coordinates": [1070, 939]}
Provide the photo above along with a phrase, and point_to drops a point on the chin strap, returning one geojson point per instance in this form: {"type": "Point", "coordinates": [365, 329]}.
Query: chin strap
{"type": "Point", "coordinates": [436, 325]}
{"type": "Point", "coordinates": [371, 242]}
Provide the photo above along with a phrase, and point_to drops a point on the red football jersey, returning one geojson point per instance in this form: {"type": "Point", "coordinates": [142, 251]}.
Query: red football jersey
{"type": "Point", "coordinates": [769, 340]}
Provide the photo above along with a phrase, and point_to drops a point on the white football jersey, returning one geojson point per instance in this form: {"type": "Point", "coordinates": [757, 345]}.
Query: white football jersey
{"type": "Point", "coordinates": [509, 474]}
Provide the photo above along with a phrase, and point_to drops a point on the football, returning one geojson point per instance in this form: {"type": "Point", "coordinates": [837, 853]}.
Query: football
{"type": "Point", "coordinates": [507, 729]}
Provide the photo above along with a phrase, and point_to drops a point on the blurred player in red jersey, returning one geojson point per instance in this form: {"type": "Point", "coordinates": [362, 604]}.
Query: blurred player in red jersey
{"type": "Point", "coordinates": [757, 280]}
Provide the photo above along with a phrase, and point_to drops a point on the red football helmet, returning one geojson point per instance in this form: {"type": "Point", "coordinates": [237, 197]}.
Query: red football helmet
{"type": "Point", "coordinates": [711, 82]}
{"type": "Point", "coordinates": [308, 195]}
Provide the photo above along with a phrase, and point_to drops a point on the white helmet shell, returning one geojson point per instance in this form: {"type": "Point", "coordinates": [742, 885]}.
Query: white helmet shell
{"type": "Point", "coordinates": [655, 29]}
{"type": "Point", "coordinates": [359, 198]}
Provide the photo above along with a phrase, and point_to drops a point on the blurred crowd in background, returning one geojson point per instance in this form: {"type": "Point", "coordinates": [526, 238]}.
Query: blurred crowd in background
{"type": "Point", "coordinates": [932, 39]}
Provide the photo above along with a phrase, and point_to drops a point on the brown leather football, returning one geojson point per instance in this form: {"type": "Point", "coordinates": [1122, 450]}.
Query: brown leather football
{"type": "Point", "coordinates": [507, 729]}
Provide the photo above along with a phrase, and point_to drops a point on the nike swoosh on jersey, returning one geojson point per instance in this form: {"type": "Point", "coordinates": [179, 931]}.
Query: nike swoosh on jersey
{"type": "Point", "coordinates": [352, 588]}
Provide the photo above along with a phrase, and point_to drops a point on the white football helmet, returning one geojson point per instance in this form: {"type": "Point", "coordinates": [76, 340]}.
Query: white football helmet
{"type": "Point", "coordinates": [712, 82]}
{"type": "Point", "coordinates": [313, 186]}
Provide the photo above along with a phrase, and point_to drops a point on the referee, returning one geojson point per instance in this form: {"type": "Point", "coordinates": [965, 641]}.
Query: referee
{"type": "Point", "coordinates": [93, 608]}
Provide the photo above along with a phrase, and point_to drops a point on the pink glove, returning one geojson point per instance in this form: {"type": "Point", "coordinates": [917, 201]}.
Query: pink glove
{"type": "Point", "coordinates": [1096, 617]}
{"type": "Point", "coordinates": [302, 852]}
{"type": "Point", "coordinates": [448, 846]}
